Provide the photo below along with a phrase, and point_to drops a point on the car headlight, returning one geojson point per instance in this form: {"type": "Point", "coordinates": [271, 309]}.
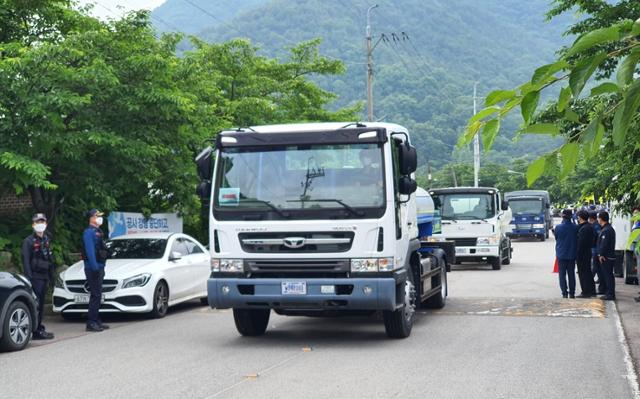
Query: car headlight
{"type": "Point", "coordinates": [372, 265]}
{"type": "Point", "coordinates": [136, 281]}
{"type": "Point", "coordinates": [227, 265]}
{"type": "Point", "coordinates": [59, 283]}
{"type": "Point", "coordinates": [491, 240]}
{"type": "Point", "coordinates": [538, 226]}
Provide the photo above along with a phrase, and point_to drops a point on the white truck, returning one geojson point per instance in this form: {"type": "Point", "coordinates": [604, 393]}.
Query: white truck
{"type": "Point", "coordinates": [478, 221]}
{"type": "Point", "coordinates": [318, 219]}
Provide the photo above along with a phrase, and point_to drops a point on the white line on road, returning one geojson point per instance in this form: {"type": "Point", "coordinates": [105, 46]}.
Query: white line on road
{"type": "Point", "coordinates": [631, 375]}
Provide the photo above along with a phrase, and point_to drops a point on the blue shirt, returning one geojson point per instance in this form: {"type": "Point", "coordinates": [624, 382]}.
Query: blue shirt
{"type": "Point", "coordinates": [566, 240]}
{"type": "Point", "coordinates": [91, 239]}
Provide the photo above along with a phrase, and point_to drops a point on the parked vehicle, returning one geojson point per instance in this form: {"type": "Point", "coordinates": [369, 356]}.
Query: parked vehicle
{"type": "Point", "coordinates": [318, 219]}
{"type": "Point", "coordinates": [477, 220]}
{"type": "Point", "coordinates": [145, 273]}
{"type": "Point", "coordinates": [531, 210]}
{"type": "Point", "coordinates": [18, 311]}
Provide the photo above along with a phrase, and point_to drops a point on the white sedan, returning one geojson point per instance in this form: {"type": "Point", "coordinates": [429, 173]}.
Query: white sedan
{"type": "Point", "coordinates": [145, 273]}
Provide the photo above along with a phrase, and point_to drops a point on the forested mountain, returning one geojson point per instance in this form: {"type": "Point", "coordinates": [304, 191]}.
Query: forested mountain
{"type": "Point", "coordinates": [429, 54]}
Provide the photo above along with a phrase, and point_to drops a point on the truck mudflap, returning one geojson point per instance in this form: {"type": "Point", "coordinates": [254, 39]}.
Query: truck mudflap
{"type": "Point", "coordinates": [319, 293]}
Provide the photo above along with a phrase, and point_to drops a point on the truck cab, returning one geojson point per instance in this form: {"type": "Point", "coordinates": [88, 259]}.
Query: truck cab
{"type": "Point", "coordinates": [477, 220]}
{"type": "Point", "coordinates": [317, 219]}
{"type": "Point", "coordinates": [531, 210]}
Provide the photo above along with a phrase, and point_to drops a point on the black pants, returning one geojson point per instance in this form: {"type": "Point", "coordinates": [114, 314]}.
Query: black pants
{"type": "Point", "coordinates": [602, 281]}
{"type": "Point", "coordinates": [567, 270]}
{"type": "Point", "coordinates": [585, 275]}
{"type": "Point", "coordinates": [610, 280]}
{"type": "Point", "coordinates": [94, 280]}
{"type": "Point", "coordinates": [40, 289]}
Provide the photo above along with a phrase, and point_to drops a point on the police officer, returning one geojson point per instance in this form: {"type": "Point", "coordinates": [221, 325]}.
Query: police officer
{"type": "Point", "coordinates": [566, 234]}
{"type": "Point", "coordinates": [586, 239]}
{"type": "Point", "coordinates": [94, 253]}
{"type": "Point", "coordinates": [38, 263]}
{"type": "Point", "coordinates": [607, 255]}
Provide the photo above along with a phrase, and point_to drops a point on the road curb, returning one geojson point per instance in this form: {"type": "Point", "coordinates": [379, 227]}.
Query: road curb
{"type": "Point", "coordinates": [632, 375]}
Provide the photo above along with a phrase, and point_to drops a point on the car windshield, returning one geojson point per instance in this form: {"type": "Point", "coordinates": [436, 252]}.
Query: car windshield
{"type": "Point", "coordinates": [465, 206]}
{"type": "Point", "coordinates": [344, 176]}
{"type": "Point", "coordinates": [137, 248]}
{"type": "Point", "coordinates": [525, 206]}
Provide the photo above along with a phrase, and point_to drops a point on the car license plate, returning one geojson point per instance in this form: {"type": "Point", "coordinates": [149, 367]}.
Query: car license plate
{"type": "Point", "coordinates": [294, 288]}
{"type": "Point", "coordinates": [460, 251]}
{"type": "Point", "coordinates": [85, 299]}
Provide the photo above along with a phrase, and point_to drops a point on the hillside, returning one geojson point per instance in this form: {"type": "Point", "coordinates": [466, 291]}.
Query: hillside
{"type": "Point", "coordinates": [425, 78]}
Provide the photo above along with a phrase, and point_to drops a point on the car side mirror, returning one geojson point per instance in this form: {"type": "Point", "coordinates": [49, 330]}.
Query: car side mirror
{"type": "Point", "coordinates": [504, 205]}
{"type": "Point", "coordinates": [407, 185]}
{"type": "Point", "coordinates": [408, 159]}
{"type": "Point", "coordinates": [175, 255]}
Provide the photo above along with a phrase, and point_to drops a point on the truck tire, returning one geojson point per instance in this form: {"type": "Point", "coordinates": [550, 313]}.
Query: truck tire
{"type": "Point", "coordinates": [496, 262]}
{"type": "Point", "coordinates": [507, 259]}
{"type": "Point", "coordinates": [398, 323]}
{"type": "Point", "coordinates": [543, 237]}
{"type": "Point", "coordinates": [251, 322]}
{"type": "Point", "coordinates": [629, 277]}
{"type": "Point", "coordinates": [438, 301]}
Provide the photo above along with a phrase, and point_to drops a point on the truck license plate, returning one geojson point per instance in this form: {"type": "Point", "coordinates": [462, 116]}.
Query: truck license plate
{"type": "Point", "coordinates": [460, 251]}
{"type": "Point", "coordinates": [85, 299]}
{"type": "Point", "coordinates": [294, 288]}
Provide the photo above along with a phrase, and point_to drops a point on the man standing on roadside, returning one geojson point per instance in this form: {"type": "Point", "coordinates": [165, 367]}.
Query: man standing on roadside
{"type": "Point", "coordinates": [566, 234]}
{"type": "Point", "coordinates": [38, 266]}
{"type": "Point", "coordinates": [586, 239]}
{"type": "Point", "coordinates": [607, 255]}
{"type": "Point", "coordinates": [95, 254]}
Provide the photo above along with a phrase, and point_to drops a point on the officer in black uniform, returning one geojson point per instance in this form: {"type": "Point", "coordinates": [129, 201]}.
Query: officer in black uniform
{"type": "Point", "coordinates": [607, 255]}
{"type": "Point", "coordinates": [95, 254]}
{"type": "Point", "coordinates": [38, 264]}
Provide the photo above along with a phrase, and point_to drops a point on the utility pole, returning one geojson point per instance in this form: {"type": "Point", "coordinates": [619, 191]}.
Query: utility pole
{"type": "Point", "coordinates": [370, 48]}
{"type": "Point", "coordinates": [476, 143]}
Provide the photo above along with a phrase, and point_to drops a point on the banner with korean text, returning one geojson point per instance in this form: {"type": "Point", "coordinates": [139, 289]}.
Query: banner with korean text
{"type": "Point", "coordinates": [121, 223]}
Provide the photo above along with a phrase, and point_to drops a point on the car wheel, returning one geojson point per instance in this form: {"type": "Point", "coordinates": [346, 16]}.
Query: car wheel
{"type": "Point", "coordinates": [160, 301]}
{"type": "Point", "coordinates": [16, 327]}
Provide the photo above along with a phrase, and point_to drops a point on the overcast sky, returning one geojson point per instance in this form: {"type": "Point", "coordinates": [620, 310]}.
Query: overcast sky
{"type": "Point", "coordinates": [109, 8]}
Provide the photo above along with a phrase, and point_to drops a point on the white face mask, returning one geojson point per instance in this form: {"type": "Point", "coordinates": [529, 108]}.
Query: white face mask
{"type": "Point", "coordinates": [40, 227]}
{"type": "Point", "coordinates": [99, 221]}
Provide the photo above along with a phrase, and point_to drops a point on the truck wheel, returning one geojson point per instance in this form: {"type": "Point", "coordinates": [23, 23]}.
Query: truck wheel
{"type": "Point", "coordinates": [627, 267]}
{"type": "Point", "coordinates": [507, 259]}
{"type": "Point", "coordinates": [543, 237]}
{"type": "Point", "coordinates": [398, 323]}
{"type": "Point", "coordinates": [251, 322]}
{"type": "Point", "coordinates": [496, 262]}
{"type": "Point", "coordinates": [438, 301]}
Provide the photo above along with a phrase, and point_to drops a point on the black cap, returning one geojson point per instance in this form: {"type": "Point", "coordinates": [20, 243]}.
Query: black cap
{"type": "Point", "coordinates": [39, 216]}
{"type": "Point", "coordinates": [94, 212]}
{"type": "Point", "coordinates": [567, 214]}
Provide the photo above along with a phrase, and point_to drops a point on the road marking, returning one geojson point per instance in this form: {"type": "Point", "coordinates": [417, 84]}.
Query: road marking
{"type": "Point", "coordinates": [527, 307]}
{"type": "Point", "coordinates": [631, 375]}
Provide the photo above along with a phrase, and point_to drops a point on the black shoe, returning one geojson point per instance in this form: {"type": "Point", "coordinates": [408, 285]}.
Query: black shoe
{"type": "Point", "coordinates": [104, 326]}
{"type": "Point", "coordinates": [583, 295]}
{"type": "Point", "coordinates": [608, 298]}
{"type": "Point", "coordinates": [42, 335]}
{"type": "Point", "coordinates": [572, 296]}
{"type": "Point", "coordinates": [94, 328]}
{"type": "Point", "coordinates": [564, 295]}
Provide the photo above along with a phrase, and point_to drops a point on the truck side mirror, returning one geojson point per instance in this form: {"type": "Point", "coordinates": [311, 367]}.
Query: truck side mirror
{"type": "Point", "coordinates": [408, 159]}
{"type": "Point", "coordinates": [205, 164]}
{"type": "Point", "coordinates": [407, 185]}
{"type": "Point", "coordinates": [504, 205]}
{"type": "Point", "coordinates": [204, 189]}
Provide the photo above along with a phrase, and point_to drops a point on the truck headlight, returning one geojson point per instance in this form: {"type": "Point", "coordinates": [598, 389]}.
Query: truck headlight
{"type": "Point", "coordinates": [136, 281]}
{"type": "Point", "coordinates": [491, 240]}
{"type": "Point", "coordinates": [538, 226]}
{"type": "Point", "coordinates": [227, 265]}
{"type": "Point", "coordinates": [536, 218]}
{"type": "Point", "coordinates": [372, 265]}
{"type": "Point", "coordinates": [512, 226]}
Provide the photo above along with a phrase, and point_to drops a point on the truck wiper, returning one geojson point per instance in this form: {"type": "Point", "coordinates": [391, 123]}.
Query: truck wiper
{"type": "Point", "coordinates": [346, 206]}
{"type": "Point", "coordinates": [285, 215]}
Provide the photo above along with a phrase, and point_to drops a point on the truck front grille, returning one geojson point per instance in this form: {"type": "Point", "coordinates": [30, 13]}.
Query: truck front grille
{"type": "Point", "coordinates": [465, 242]}
{"type": "Point", "coordinates": [296, 242]}
{"type": "Point", "coordinates": [311, 268]}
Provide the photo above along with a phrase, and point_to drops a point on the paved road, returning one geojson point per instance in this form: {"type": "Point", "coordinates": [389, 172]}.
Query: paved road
{"type": "Point", "coordinates": [503, 334]}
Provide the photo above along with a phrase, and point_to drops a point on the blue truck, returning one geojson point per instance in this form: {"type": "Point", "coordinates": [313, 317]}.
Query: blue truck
{"type": "Point", "coordinates": [531, 210]}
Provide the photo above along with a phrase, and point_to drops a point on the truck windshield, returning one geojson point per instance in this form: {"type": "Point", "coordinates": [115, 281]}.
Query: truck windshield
{"type": "Point", "coordinates": [465, 206]}
{"type": "Point", "coordinates": [525, 206]}
{"type": "Point", "coordinates": [304, 177]}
